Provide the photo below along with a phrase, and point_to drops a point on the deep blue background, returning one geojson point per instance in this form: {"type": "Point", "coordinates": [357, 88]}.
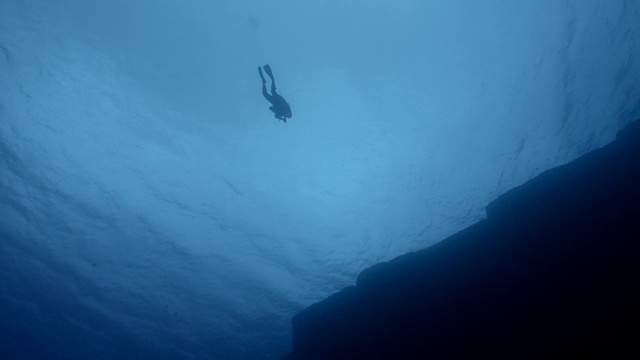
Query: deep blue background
{"type": "Point", "coordinates": [152, 207]}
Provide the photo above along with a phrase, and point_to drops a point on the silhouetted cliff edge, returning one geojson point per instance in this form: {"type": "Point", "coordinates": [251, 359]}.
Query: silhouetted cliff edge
{"type": "Point", "coordinates": [553, 272]}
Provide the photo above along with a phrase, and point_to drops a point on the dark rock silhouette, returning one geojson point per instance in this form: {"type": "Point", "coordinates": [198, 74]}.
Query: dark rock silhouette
{"type": "Point", "coordinates": [553, 272]}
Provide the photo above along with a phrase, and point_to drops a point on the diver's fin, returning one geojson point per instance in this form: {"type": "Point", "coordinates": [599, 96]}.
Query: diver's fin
{"type": "Point", "coordinates": [261, 76]}
{"type": "Point", "coordinates": [267, 69]}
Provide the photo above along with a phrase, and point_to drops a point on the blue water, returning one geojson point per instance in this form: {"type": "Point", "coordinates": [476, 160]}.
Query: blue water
{"type": "Point", "coordinates": [151, 206]}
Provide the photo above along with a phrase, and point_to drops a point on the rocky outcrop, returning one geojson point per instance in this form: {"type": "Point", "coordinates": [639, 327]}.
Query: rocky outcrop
{"type": "Point", "coordinates": [552, 272]}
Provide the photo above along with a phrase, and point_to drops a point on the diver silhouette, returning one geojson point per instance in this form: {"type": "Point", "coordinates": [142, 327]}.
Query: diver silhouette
{"type": "Point", "coordinates": [280, 107]}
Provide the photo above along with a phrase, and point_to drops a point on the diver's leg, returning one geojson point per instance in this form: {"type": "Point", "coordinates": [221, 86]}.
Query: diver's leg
{"type": "Point", "coordinates": [264, 85]}
{"type": "Point", "coordinates": [267, 69]}
{"type": "Point", "coordinates": [261, 76]}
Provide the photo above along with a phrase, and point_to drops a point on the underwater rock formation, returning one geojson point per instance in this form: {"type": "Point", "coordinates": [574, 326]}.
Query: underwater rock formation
{"type": "Point", "coordinates": [552, 272]}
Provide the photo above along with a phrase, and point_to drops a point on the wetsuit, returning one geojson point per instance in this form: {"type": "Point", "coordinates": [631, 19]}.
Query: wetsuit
{"type": "Point", "coordinates": [280, 107]}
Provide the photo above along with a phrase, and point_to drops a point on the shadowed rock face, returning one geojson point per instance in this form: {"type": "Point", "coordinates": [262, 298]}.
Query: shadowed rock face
{"type": "Point", "coordinates": [553, 271]}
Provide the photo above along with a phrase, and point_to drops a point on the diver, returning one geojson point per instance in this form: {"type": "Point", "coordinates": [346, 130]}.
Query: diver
{"type": "Point", "coordinates": [280, 107]}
